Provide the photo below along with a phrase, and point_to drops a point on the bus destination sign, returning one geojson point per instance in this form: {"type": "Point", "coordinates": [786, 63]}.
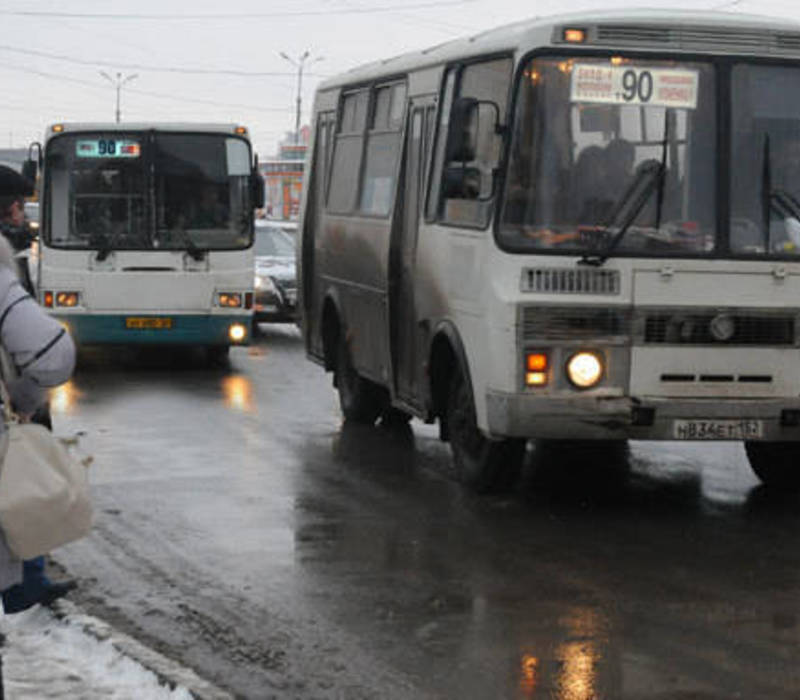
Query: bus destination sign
{"type": "Point", "coordinates": [107, 148]}
{"type": "Point", "coordinates": [627, 84]}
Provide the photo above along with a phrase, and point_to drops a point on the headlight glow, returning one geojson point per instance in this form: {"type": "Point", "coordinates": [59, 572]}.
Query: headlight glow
{"type": "Point", "coordinates": [237, 332]}
{"type": "Point", "coordinates": [585, 369]}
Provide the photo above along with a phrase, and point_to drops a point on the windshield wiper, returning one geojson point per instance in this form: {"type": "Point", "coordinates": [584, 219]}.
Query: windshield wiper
{"type": "Point", "coordinates": [104, 245]}
{"type": "Point", "coordinates": [766, 192]}
{"type": "Point", "coordinates": [649, 177]}
{"type": "Point", "coordinates": [191, 246]}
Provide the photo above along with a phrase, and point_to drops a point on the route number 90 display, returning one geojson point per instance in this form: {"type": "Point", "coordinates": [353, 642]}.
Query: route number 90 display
{"type": "Point", "coordinates": [637, 85]}
{"type": "Point", "coordinates": [107, 148]}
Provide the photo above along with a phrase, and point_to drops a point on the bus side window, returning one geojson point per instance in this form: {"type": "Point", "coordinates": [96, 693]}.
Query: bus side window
{"type": "Point", "coordinates": [488, 83]}
{"type": "Point", "coordinates": [383, 149]}
{"type": "Point", "coordinates": [344, 177]}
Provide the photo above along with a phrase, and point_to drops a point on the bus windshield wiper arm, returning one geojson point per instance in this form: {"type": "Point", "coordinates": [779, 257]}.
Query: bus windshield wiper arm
{"type": "Point", "coordinates": [647, 179]}
{"type": "Point", "coordinates": [191, 246]}
{"type": "Point", "coordinates": [105, 247]}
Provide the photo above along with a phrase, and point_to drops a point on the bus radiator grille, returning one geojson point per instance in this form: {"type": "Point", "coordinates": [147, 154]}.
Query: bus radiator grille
{"type": "Point", "coordinates": [542, 323]}
{"type": "Point", "coordinates": [696, 329]}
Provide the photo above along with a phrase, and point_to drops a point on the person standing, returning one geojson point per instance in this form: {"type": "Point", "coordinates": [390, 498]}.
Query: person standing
{"type": "Point", "coordinates": [44, 356]}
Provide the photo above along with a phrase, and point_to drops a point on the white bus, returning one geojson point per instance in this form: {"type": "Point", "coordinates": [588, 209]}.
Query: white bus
{"type": "Point", "coordinates": [147, 231]}
{"type": "Point", "coordinates": [575, 228]}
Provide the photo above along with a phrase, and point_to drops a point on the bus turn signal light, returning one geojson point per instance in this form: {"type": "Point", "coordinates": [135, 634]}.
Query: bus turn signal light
{"type": "Point", "coordinates": [68, 299]}
{"type": "Point", "coordinates": [536, 369]}
{"type": "Point", "coordinates": [575, 36]}
{"type": "Point", "coordinates": [47, 299]}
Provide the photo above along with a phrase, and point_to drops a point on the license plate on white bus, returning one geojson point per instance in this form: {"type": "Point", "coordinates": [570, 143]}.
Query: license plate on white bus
{"type": "Point", "coordinates": [717, 429]}
{"type": "Point", "coordinates": [142, 322]}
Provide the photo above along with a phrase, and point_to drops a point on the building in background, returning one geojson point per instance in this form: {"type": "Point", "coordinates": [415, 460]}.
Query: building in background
{"type": "Point", "coordinates": [283, 176]}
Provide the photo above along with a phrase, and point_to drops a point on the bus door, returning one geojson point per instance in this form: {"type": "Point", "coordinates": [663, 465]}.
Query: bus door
{"type": "Point", "coordinates": [407, 337]}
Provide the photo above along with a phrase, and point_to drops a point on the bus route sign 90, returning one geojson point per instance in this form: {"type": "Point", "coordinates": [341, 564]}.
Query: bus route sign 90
{"type": "Point", "coordinates": [629, 84]}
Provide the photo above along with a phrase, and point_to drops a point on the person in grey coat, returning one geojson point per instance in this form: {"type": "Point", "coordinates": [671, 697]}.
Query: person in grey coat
{"type": "Point", "coordinates": [43, 356]}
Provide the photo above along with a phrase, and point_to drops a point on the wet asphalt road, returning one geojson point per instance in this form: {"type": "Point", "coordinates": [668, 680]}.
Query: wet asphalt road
{"type": "Point", "coordinates": [243, 530]}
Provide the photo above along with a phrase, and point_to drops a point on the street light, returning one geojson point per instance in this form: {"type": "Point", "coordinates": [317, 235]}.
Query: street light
{"type": "Point", "coordinates": [299, 63]}
{"type": "Point", "coordinates": [118, 83]}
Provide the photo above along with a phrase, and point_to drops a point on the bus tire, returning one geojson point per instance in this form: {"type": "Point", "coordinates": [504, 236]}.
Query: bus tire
{"type": "Point", "coordinates": [775, 463]}
{"type": "Point", "coordinates": [361, 400]}
{"type": "Point", "coordinates": [481, 464]}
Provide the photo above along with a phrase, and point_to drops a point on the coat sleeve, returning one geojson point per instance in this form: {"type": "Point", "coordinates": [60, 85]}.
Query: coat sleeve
{"type": "Point", "coordinates": [40, 348]}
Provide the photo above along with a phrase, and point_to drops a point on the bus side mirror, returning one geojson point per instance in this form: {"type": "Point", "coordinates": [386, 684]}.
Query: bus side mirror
{"type": "Point", "coordinates": [257, 190]}
{"type": "Point", "coordinates": [462, 137]}
{"type": "Point", "coordinates": [29, 169]}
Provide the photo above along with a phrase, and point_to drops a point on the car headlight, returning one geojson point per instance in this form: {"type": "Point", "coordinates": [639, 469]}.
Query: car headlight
{"type": "Point", "coordinates": [263, 283]}
{"type": "Point", "coordinates": [585, 369]}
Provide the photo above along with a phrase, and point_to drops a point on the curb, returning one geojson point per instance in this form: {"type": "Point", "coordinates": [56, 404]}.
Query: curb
{"type": "Point", "coordinates": [166, 670]}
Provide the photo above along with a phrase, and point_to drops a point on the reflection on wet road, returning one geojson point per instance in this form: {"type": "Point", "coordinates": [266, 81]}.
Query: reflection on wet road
{"type": "Point", "coordinates": [248, 532]}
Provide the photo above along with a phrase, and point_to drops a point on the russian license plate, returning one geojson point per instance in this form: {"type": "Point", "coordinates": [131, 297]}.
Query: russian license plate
{"type": "Point", "coordinates": [148, 322]}
{"type": "Point", "coordinates": [717, 429]}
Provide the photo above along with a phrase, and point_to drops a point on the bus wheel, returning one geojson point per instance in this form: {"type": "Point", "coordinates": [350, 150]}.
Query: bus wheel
{"type": "Point", "coordinates": [361, 400]}
{"type": "Point", "coordinates": [480, 463]}
{"type": "Point", "coordinates": [775, 463]}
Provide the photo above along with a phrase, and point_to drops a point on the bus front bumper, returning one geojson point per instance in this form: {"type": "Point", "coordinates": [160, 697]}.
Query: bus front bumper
{"type": "Point", "coordinates": [157, 329]}
{"type": "Point", "coordinates": [642, 418]}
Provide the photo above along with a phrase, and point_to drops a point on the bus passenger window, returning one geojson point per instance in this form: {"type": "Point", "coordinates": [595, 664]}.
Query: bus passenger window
{"type": "Point", "coordinates": [383, 150]}
{"type": "Point", "coordinates": [347, 152]}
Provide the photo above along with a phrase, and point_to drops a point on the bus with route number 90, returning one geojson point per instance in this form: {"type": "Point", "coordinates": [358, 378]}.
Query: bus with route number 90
{"type": "Point", "coordinates": [577, 228]}
{"type": "Point", "coordinates": [146, 233]}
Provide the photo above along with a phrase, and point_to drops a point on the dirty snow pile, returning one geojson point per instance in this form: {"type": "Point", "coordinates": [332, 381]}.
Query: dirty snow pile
{"type": "Point", "coordinates": [44, 657]}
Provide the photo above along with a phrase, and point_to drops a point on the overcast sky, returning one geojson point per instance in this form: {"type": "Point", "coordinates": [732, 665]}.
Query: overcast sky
{"type": "Point", "coordinates": [52, 53]}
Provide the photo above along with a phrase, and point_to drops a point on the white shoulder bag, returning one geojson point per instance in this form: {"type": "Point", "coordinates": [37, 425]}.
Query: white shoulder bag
{"type": "Point", "coordinates": [44, 490]}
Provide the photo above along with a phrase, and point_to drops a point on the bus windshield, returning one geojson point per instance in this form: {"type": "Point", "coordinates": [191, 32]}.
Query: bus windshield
{"type": "Point", "coordinates": [612, 152]}
{"type": "Point", "coordinates": [146, 191]}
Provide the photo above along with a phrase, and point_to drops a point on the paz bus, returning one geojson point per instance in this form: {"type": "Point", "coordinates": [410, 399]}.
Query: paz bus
{"type": "Point", "coordinates": [574, 228]}
{"type": "Point", "coordinates": [146, 233]}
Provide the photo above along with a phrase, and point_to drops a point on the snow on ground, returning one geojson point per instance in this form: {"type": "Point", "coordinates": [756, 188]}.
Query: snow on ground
{"type": "Point", "coordinates": [45, 657]}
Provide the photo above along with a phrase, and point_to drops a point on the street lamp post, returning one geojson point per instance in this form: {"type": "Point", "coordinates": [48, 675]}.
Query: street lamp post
{"type": "Point", "coordinates": [299, 64]}
{"type": "Point", "coordinates": [118, 83]}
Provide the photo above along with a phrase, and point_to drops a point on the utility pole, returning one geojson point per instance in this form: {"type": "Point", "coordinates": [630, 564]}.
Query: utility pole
{"type": "Point", "coordinates": [118, 83]}
{"type": "Point", "coordinates": [299, 64]}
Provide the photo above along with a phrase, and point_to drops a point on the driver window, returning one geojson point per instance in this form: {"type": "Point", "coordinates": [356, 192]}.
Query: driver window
{"type": "Point", "coordinates": [488, 82]}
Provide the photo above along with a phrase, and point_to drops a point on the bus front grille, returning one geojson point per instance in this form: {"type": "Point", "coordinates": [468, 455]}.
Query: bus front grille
{"type": "Point", "coordinates": [697, 329]}
{"type": "Point", "coordinates": [576, 323]}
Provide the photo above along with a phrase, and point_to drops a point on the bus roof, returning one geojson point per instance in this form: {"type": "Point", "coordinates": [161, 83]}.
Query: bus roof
{"type": "Point", "coordinates": [145, 126]}
{"type": "Point", "coordinates": [657, 29]}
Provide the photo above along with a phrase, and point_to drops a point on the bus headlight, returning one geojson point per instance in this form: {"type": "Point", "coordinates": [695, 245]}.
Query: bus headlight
{"type": "Point", "coordinates": [585, 369]}
{"type": "Point", "coordinates": [231, 300]}
{"type": "Point", "coordinates": [237, 332]}
{"type": "Point", "coordinates": [68, 299]}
